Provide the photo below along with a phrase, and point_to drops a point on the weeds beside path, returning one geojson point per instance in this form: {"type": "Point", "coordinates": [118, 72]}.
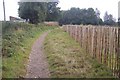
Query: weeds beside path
{"type": "Point", "coordinates": [17, 41]}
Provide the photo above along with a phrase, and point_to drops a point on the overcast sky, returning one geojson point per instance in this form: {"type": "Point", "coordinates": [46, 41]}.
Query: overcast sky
{"type": "Point", "coordinates": [103, 5]}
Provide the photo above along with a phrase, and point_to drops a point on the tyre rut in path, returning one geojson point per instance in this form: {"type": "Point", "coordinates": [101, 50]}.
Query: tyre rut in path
{"type": "Point", "coordinates": [38, 66]}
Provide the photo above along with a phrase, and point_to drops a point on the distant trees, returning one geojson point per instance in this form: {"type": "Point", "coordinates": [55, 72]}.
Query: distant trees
{"type": "Point", "coordinates": [86, 16]}
{"type": "Point", "coordinates": [53, 12]}
{"type": "Point", "coordinates": [80, 16]}
{"type": "Point", "coordinates": [118, 21]}
{"type": "Point", "coordinates": [35, 12]}
{"type": "Point", "coordinates": [97, 12]}
{"type": "Point", "coordinates": [100, 21]}
{"type": "Point", "coordinates": [108, 19]}
{"type": "Point", "coordinates": [32, 12]}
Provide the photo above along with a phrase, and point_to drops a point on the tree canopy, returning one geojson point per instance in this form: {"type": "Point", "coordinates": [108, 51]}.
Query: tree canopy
{"type": "Point", "coordinates": [118, 21]}
{"type": "Point", "coordinates": [35, 12]}
{"type": "Point", "coordinates": [53, 12]}
{"type": "Point", "coordinates": [80, 16]}
{"type": "Point", "coordinates": [32, 12]}
{"type": "Point", "coordinates": [108, 19]}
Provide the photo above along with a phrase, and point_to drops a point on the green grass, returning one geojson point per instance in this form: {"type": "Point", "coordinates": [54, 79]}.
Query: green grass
{"type": "Point", "coordinates": [67, 60]}
{"type": "Point", "coordinates": [17, 45]}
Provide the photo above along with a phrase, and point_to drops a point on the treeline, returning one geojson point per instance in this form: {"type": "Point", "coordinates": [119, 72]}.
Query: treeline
{"type": "Point", "coordinates": [80, 16]}
{"type": "Point", "coordinates": [39, 12]}
{"type": "Point", "coordinates": [86, 17]}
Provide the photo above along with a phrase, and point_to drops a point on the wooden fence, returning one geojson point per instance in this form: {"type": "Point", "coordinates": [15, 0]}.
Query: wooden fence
{"type": "Point", "coordinates": [102, 43]}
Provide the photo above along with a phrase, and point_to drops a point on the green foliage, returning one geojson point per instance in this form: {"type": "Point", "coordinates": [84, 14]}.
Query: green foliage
{"type": "Point", "coordinates": [53, 12]}
{"type": "Point", "coordinates": [39, 12]}
{"type": "Point", "coordinates": [80, 16]}
{"type": "Point", "coordinates": [109, 20]}
{"type": "Point", "coordinates": [16, 46]}
{"type": "Point", "coordinates": [119, 22]}
{"type": "Point", "coordinates": [34, 12]}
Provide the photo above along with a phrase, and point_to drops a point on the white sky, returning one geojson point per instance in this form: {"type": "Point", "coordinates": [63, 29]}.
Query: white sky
{"type": "Point", "coordinates": [103, 5]}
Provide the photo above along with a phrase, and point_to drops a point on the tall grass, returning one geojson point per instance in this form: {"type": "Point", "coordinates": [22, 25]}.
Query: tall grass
{"type": "Point", "coordinates": [68, 60]}
{"type": "Point", "coordinates": [17, 41]}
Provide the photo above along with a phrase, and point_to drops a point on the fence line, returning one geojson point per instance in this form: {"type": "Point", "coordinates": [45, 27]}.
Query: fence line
{"type": "Point", "coordinates": [102, 43]}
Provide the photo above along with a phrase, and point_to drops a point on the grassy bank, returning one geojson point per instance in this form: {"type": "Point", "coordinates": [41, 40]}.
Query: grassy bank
{"type": "Point", "coordinates": [17, 42]}
{"type": "Point", "coordinates": [67, 60]}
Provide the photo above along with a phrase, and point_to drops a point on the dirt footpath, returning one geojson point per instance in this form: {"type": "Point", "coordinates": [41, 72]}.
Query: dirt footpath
{"type": "Point", "coordinates": [38, 66]}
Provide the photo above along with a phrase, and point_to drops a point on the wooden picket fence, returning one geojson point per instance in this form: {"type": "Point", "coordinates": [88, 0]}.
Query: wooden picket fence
{"type": "Point", "coordinates": [101, 42]}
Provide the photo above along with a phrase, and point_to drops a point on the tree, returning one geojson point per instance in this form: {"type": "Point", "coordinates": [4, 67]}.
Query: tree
{"type": "Point", "coordinates": [79, 16]}
{"type": "Point", "coordinates": [70, 16]}
{"type": "Point", "coordinates": [33, 12]}
{"type": "Point", "coordinates": [97, 12]}
{"type": "Point", "coordinates": [108, 19]}
{"type": "Point", "coordinates": [118, 21]}
{"type": "Point", "coordinates": [53, 12]}
{"type": "Point", "coordinates": [99, 20]}
{"type": "Point", "coordinates": [90, 17]}
{"type": "Point", "coordinates": [106, 16]}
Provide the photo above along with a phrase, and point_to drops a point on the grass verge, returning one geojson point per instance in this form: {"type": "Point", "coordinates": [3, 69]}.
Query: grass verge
{"type": "Point", "coordinates": [67, 60]}
{"type": "Point", "coordinates": [17, 43]}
